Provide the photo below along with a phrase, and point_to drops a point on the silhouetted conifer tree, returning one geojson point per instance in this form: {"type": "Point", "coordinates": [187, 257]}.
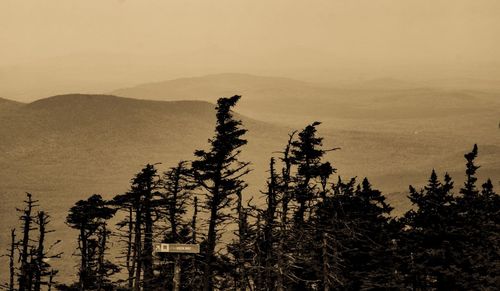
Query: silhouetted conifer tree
{"type": "Point", "coordinates": [176, 194]}
{"type": "Point", "coordinates": [89, 218]}
{"type": "Point", "coordinates": [125, 233]}
{"type": "Point", "coordinates": [144, 202]}
{"type": "Point", "coordinates": [242, 252]}
{"type": "Point", "coordinates": [479, 231]}
{"type": "Point", "coordinates": [308, 180]}
{"type": "Point", "coordinates": [218, 172]}
{"type": "Point", "coordinates": [452, 243]}
{"type": "Point", "coordinates": [284, 254]}
{"type": "Point", "coordinates": [330, 234]}
{"type": "Point", "coordinates": [307, 155]}
{"type": "Point", "coordinates": [429, 237]}
{"type": "Point", "coordinates": [372, 265]}
{"type": "Point", "coordinates": [268, 248]}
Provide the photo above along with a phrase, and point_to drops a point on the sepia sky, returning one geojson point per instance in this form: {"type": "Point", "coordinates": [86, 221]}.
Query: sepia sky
{"type": "Point", "coordinates": [286, 37]}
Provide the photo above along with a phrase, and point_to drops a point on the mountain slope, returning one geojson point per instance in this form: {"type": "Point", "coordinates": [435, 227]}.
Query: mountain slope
{"type": "Point", "coordinates": [8, 105]}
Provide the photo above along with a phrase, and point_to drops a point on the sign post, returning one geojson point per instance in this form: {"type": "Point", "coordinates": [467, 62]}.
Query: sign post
{"type": "Point", "coordinates": [177, 249]}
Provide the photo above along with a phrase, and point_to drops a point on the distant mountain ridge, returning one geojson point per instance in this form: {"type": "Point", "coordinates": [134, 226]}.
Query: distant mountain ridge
{"type": "Point", "coordinates": [211, 86]}
{"type": "Point", "coordinates": [275, 99]}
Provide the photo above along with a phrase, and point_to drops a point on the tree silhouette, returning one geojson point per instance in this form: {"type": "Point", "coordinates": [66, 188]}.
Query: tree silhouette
{"type": "Point", "coordinates": [177, 191]}
{"type": "Point", "coordinates": [478, 233]}
{"type": "Point", "coordinates": [308, 188]}
{"type": "Point", "coordinates": [26, 272]}
{"type": "Point", "coordinates": [218, 172]}
{"type": "Point", "coordinates": [306, 155]}
{"type": "Point", "coordinates": [89, 218]}
{"type": "Point", "coordinates": [143, 203]}
{"type": "Point", "coordinates": [42, 268]}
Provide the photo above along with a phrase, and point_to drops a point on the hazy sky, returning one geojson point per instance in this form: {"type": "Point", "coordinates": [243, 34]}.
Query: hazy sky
{"type": "Point", "coordinates": [197, 37]}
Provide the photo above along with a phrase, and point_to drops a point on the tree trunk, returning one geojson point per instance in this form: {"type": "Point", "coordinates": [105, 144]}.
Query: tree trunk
{"type": "Point", "coordinates": [212, 235]}
{"type": "Point", "coordinates": [84, 252]}
{"type": "Point", "coordinates": [324, 249]}
{"type": "Point", "coordinates": [11, 258]}
{"type": "Point", "coordinates": [240, 283]}
{"type": "Point", "coordinates": [29, 279]}
{"type": "Point", "coordinates": [193, 222]}
{"type": "Point", "coordinates": [194, 280]}
{"type": "Point", "coordinates": [177, 273]}
{"type": "Point", "coordinates": [100, 259]}
{"type": "Point", "coordinates": [269, 227]}
{"type": "Point", "coordinates": [148, 245]}
{"type": "Point", "coordinates": [173, 205]}
{"type": "Point", "coordinates": [51, 280]}
{"type": "Point", "coordinates": [130, 265]}
{"type": "Point", "coordinates": [280, 286]}
{"type": "Point", "coordinates": [207, 274]}
{"type": "Point", "coordinates": [138, 247]}
{"type": "Point", "coordinates": [40, 252]}
{"type": "Point", "coordinates": [25, 268]}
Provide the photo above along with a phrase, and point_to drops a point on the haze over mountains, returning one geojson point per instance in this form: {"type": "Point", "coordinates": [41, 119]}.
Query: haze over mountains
{"type": "Point", "coordinates": [64, 148]}
{"type": "Point", "coordinates": [385, 128]}
{"type": "Point", "coordinates": [274, 99]}
{"type": "Point", "coordinates": [422, 123]}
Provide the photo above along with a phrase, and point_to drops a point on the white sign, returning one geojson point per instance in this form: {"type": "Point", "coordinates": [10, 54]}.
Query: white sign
{"type": "Point", "coordinates": [178, 248]}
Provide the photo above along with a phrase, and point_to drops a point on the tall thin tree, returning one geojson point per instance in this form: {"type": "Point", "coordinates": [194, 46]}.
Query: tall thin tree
{"type": "Point", "coordinates": [218, 172]}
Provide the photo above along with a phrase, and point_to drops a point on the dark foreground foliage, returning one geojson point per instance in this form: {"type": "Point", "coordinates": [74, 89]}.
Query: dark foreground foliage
{"type": "Point", "coordinates": [308, 230]}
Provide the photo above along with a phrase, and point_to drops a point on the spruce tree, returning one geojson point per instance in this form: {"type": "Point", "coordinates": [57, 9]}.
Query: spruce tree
{"type": "Point", "coordinates": [285, 189]}
{"type": "Point", "coordinates": [478, 243]}
{"type": "Point", "coordinates": [268, 248]}
{"type": "Point", "coordinates": [143, 204]}
{"type": "Point", "coordinates": [218, 172]}
{"type": "Point", "coordinates": [309, 181]}
{"type": "Point", "coordinates": [353, 234]}
{"type": "Point", "coordinates": [307, 155]}
{"type": "Point", "coordinates": [429, 236]}
{"type": "Point", "coordinates": [176, 192]}
{"type": "Point", "coordinates": [89, 218]}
